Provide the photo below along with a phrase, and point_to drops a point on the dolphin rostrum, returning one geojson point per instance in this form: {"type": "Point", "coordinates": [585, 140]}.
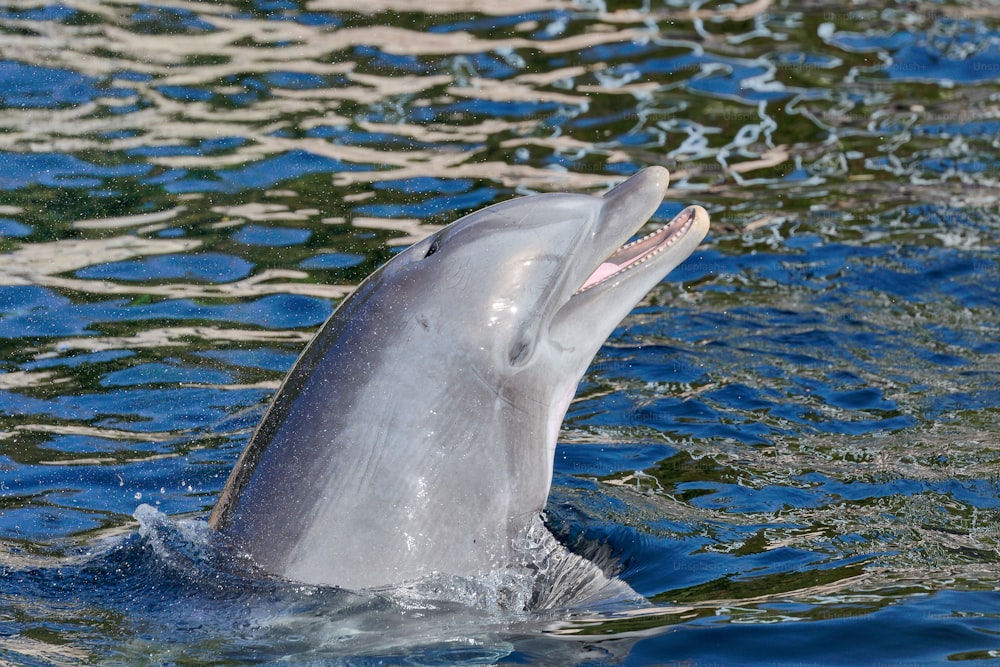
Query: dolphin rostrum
{"type": "Point", "coordinates": [416, 433]}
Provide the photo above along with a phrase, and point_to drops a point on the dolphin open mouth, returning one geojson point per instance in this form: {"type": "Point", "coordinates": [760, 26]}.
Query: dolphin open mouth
{"type": "Point", "coordinates": [636, 253]}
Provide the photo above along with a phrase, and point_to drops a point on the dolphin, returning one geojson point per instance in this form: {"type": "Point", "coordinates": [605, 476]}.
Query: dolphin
{"type": "Point", "coordinates": [415, 435]}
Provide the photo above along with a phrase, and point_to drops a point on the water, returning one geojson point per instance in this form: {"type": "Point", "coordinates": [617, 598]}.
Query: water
{"type": "Point", "coordinates": [790, 448]}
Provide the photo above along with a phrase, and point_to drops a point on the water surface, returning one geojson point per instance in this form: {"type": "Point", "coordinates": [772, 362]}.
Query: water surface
{"type": "Point", "coordinates": [790, 448]}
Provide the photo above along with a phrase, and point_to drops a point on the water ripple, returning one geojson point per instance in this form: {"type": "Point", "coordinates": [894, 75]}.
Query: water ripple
{"type": "Point", "coordinates": [798, 424]}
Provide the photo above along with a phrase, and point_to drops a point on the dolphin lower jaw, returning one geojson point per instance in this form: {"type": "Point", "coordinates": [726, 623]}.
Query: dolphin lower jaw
{"type": "Point", "coordinates": [626, 274]}
{"type": "Point", "coordinates": [614, 285]}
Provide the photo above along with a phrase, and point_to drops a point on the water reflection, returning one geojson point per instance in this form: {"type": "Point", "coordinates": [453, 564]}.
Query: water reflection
{"type": "Point", "coordinates": [799, 424]}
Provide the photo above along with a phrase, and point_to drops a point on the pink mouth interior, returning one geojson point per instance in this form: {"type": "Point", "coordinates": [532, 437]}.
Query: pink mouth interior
{"type": "Point", "coordinates": [635, 253]}
{"type": "Point", "coordinates": [603, 271]}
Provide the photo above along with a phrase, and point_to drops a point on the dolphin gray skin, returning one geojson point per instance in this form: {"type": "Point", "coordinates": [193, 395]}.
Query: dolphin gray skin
{"type": "Point", "coordinates": [416, 433]}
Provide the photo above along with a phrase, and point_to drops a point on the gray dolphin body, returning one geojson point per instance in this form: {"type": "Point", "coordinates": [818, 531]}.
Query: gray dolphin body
{"type": "Point", "coordinates": [417, 431]}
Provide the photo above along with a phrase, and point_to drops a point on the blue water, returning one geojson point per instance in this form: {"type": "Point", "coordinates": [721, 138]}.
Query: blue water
{"type": "Point", "coordinates": [791, 448]}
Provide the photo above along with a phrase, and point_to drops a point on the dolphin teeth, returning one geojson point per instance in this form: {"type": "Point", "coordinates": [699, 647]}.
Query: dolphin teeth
{"type": "Point", "coordinates": [638, 252]}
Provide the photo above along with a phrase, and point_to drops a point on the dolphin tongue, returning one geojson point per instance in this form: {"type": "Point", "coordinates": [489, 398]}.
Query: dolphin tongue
{"type": "Point", "coordinates": [636, 252]}
{"type": "Point", "coordinates": [603, 271]}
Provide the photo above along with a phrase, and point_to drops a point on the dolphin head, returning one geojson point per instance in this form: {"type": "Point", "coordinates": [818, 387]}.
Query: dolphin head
{"type": "Point", "coordinates": [417, 431]}
{"type": "Point", "coordinates": [542, 281]}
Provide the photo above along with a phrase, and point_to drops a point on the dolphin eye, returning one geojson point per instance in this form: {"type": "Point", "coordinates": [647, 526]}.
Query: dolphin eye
{"type": "Point", "coordinates": [435, 245]}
